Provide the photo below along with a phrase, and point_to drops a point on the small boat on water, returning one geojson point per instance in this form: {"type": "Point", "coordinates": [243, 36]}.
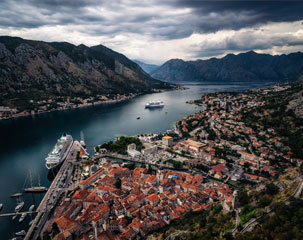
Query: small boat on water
{"type": "Point", "coordinates": [31, 208]}
{"type": "Point", "coordinates": [23, 215]}
{"type": "Point", "coordinates": [1, 206]}
{"type": "Point", "coordinates": [31, 222]}
{"type": "Point", "coordinates": [21, 233]}
{"type": "Point", "coordinates": [138, 118]}
{"type": "Point", "coordinates": [16, 195]}
{"type": "Point", "coordinates": [34, 189]}
{"type": "Point", "coordinates": [19, 207]}
{"type": "Point", "coordinates": [14, 217]}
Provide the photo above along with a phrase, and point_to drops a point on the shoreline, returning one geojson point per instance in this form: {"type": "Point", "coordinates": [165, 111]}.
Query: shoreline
{"type": "Point", "coordinates": [87, 105]}
{"type": "Point", "coordinates": [74, 107]}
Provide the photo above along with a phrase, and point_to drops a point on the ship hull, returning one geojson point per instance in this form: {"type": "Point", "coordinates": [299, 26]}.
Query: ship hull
{"type": "Point", "coordinates": [60, 159]}
{"type": "Point", "coordinates": [154, 106]}
{"type": "Point", "coordinates": [35, 189]}
{"type": "Point", "coordinates": [16, 195]}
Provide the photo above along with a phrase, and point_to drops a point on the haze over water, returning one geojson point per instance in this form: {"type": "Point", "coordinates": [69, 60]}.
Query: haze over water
{"type": "Point", "coordinates": [25, 142]}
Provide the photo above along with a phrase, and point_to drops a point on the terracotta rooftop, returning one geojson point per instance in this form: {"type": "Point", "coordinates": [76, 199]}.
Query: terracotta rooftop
{"type": "Point", "coordinates": [65, 222]}
{"type": "Point", "coordinates": [219, 167]}
{"type": "Point", "coordinates": [153, 197]}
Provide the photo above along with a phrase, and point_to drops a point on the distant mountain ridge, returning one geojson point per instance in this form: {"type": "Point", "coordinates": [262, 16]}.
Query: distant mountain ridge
{"type": "Point", "coordinates": [249, 66]}
{"type": "Point", "coordinates": [62, 69]}
{"type": "Point", "coordinates": [148, 68]}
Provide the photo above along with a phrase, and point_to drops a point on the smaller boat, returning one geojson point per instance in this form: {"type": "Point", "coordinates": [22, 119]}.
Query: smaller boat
{"type": "Point", "coordinates": [16, 195]}
{"type": "Point", "coordinates": [138, 118]}
{"type": "Point", "coordinates": [14, 217]}
{"type": "Point", "coordinates": [31, 222]}
{"type": "Point", "coordinates": [31, 208]}
{"type": "Point", "coordinates": [23, 215]}
{"type": "Point", "coordinates": [19, 207]}
{"type": "Point", "coordinates": [21, 233]}
{"type": "Point", "coordinates": [36, 189]}
{"type": "Point", "coordinates": [1, 206]}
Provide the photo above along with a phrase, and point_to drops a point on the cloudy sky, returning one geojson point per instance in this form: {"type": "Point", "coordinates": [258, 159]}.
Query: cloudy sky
{"type": "Point", "coordinates": [157, 30]}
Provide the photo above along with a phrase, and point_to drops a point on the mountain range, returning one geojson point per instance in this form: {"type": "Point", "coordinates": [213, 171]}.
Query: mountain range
{"type": "Point", "coordinates": [36, 68]}
{"type": "Point", "coordinates": [249, 66]}
{"type": "Point", "coordinates": [149, 68]}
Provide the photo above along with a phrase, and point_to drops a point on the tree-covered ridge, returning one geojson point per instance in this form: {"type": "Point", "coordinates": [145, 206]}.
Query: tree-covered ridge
{"type": "Point", "coordinates": [285, 223]}
{"type": "Point", "coordinates": [277, 114]}
{"type": "Point", "coordinates": [203, 225]}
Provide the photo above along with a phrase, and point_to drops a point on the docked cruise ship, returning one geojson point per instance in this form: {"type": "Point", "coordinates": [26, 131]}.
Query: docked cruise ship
{"type": "Point", "coordinates": [154, 104]}
{"type": "Point", "coordinates": [59, 152]}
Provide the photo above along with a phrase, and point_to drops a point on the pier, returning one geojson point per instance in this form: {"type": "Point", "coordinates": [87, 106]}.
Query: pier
{"type": "Point", "coordinates": [16, 213]}
{"type": "Point", "coordinates": [57, 188]}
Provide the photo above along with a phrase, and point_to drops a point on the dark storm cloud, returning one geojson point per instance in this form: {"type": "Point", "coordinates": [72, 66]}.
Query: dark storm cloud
{"type": "Point", "coordinates": [123, 23]}
{"type": "Point", "coordinates": [202, 17]}
{"type": "Point", "coordinates": [217, 15]}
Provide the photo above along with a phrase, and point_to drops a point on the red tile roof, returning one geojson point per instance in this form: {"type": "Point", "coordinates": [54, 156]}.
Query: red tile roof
{"type": "Point", "coordinates": [79, 194]}
{"type": "Point", "coordinates": [65, 222]}
{"type": "Point", "coordinates": [91, 177]}
{"type": "Point", "coordinates": [153, 197]}
{"type": "Point", "coordinates": [219, 167]}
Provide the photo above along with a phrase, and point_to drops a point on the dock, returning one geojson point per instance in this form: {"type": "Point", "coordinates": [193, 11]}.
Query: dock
{"type": "Point", "coordinates": [16, 213]}
{"type": "Point", "coordinates": [54, 192]}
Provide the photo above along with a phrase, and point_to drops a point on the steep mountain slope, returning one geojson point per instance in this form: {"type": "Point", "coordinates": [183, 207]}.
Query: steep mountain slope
{"type": "Point", "coordinates": [60, 68]}
{"type": "Point", "coordinates": [248, 66]}
{"type": "Point", "coordinates": [149, 68]}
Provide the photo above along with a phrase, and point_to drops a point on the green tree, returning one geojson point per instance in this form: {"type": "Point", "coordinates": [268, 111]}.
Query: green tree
{"type": "Point", "coordinates": [271, 189]}
{"type": "Point", "coordinates": [243, 197]}
{"type": "Point", "coordinates": [118, 183]}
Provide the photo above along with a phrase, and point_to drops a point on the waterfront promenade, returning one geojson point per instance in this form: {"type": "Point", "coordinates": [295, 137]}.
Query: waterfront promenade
{"type": "Point", "coordinates": [54, 192]}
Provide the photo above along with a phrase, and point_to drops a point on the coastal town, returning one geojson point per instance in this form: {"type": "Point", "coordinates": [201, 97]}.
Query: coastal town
{"type": "Point", "coordinates": [60, 103]}
{"type": "Point", "coordinates": [39, 104]}
{"type": "Point", "coordinates": [151, 120]}
{"type": "Point", "coordinates": [134, 186]}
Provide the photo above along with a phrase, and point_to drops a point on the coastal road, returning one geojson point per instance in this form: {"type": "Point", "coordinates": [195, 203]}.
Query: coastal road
{"type": "Point", "coordinates": [299, 190]}
{"type": "Point", "coordinates": [237, 222]}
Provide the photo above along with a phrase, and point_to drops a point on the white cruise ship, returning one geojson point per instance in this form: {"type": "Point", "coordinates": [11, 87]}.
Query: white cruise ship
{"type": "Point", "coordinates": [154, 104]}
{"type": "Point", "coordinates": [59, 152]}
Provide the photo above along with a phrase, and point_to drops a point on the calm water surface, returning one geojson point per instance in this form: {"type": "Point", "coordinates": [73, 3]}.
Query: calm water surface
{"type": "Point", "coordinates": [26, 141]}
